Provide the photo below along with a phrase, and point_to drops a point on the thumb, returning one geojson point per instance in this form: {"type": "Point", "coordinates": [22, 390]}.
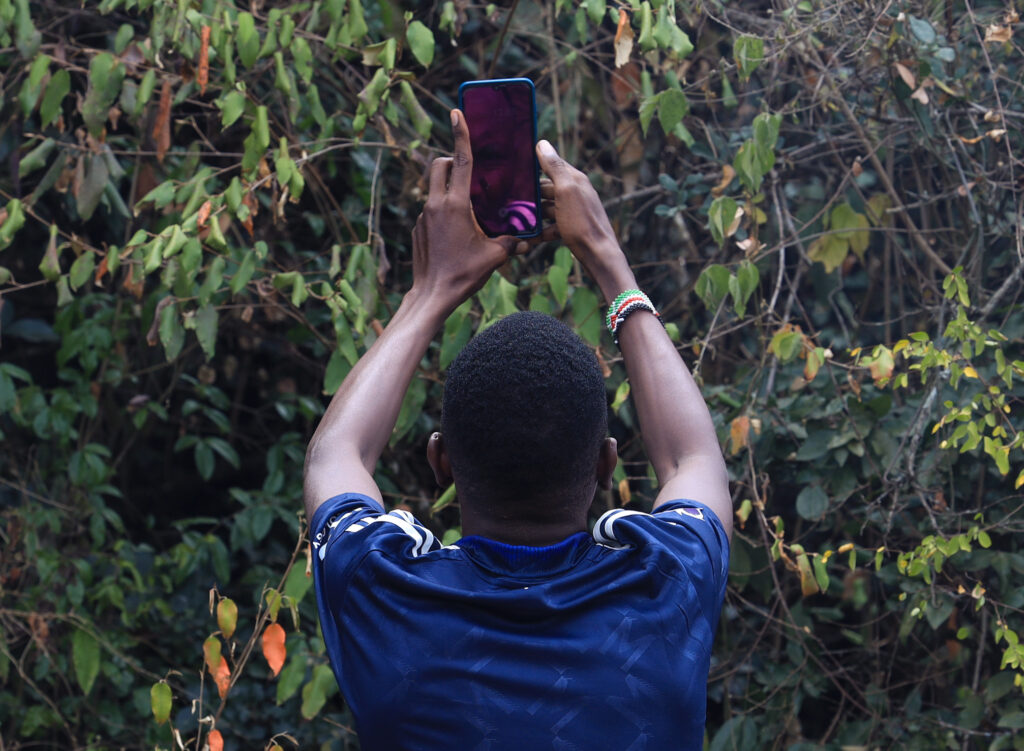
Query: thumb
{"type": "Point", "coordinates": [553, 165]}
{"type": "Point", "coordinates": [507, 243]}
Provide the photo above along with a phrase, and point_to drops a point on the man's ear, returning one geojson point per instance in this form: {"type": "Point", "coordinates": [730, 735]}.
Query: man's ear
{"type": "Point", "coordinates": [607, 458]}
{"type": "Point", "coordinates": [437, 457]}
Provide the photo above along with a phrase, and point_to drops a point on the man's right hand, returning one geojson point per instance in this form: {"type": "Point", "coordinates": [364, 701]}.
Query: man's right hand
{"type": "Point", "coordinates": [583, 224]}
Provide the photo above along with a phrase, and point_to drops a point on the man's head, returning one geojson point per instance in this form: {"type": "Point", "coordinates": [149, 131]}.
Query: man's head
{"type": "Point", "coordinates": [525, 415]}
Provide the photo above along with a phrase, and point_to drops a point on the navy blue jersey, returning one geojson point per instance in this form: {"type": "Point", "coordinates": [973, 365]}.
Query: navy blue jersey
{"type": "Point", "coordinates": [601, 641]}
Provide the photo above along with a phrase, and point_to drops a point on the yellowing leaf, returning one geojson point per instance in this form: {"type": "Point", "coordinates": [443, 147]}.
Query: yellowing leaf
{"type": "Point", "coordinates": [881, 365]}
{"type": "Point", "coordinates": [227, 616]}
{"type": "Point", "coordinates": [623, 39]}
{"type": "Point", "coordinates": [970, 372]}
{"type": "Point", "coordinates": [808, 582]}
{"type": "Point", "coordinates": [160, 702]}
{"type": "Point", "coordinates": [830, 251]}
{"type": "Point", "coordinates": [625, 496]}
{"type": "Point", "coordinates": [739, 434]}
{"type": "Point", "coordinates": [273, 647]}
{"type": "Point", "coordinates": [211, 654]}
{"type": "Point", "coordinates": [728, 173]}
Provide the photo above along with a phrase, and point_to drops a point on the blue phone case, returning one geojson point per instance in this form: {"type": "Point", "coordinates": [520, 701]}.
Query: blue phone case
{"type": "Point", "coordinates": [535, 167]}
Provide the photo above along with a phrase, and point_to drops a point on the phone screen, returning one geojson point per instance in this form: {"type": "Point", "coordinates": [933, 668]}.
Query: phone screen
{"type": "Point", "coordinates": [502, 120]}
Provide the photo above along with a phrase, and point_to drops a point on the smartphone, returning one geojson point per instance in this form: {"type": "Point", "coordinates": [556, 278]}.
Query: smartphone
{"type": "Point", "coordinates": [501, 115]}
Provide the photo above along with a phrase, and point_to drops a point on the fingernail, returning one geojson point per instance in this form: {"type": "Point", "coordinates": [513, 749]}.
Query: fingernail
{"type": "Point", "coordinates": [546, 148]}
{"type": "Point", "coordinates": [455, 118]}
{"type": "Point", "coordinates": [522, 247]}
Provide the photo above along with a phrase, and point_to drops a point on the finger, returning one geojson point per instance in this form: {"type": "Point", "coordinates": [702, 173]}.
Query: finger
{"type": "Point", "coordinates": [553, 165]}
{"type": "Point", "coordinates": [462, 162]}
{"type": "Point", "coordinates": [547, 189]}
{"type": "Point", "coordinates": [508, 243]}
{"type": "Point", "coordinates": [547, 209]}
{"type": "Point", "coordinates": [439, 169]}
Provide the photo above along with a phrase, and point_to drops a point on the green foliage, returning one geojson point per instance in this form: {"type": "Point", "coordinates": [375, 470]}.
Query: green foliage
{"type": "Point", "coordinates": [205, 216]}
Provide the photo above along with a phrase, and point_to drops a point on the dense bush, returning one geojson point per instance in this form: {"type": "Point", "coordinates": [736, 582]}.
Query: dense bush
{"type": "Point", "coordinates": [205, 219]}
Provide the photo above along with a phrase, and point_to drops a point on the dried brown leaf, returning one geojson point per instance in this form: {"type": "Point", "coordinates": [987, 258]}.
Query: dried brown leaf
{"type": "Point", "coordinates": [203, 74]}
{"type": "Point", "coordinates": [998, 34]}
{"type": "Point", "coordinates": [623, 39]}
{"type": "Point", "coordinates": [162, 126]}
{"type": "Point", "coordinates": [904, 72]}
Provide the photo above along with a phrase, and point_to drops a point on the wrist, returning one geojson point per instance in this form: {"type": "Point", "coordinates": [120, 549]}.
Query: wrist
{"type": "Point", "coordinates": [426, 307]}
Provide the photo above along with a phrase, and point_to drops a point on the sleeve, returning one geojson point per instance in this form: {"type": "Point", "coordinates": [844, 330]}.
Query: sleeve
{"type": "Point", "coordinates": [343, 532]}
{"type": "Point", "coordinates": [688, 531]}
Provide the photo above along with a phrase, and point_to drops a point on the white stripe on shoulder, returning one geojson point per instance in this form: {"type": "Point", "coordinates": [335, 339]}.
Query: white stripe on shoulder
{"type": "Point", "coordinates": [422, 537]}
{"type": "Point", "coordinates": [604, 530]}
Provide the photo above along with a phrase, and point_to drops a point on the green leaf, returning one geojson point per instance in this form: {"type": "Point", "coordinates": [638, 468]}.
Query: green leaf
{"type": "Point", "coordinates": [337, 368]}
{"type": "Point", "coordinates": [30, 88]}
{"type": "Point", "coordinates": [105, 76]}
{"type": "Point", "coordinates": [91, 190]}
{"type": "Point", "coordinates": [458, 330]}
{"type": "Point", "coordinates": [85, 655]}
{"type": "Point", "coordinates": [172, 334]}
{"type": "Point", "coordinates": [232, 105]}
{"type": "Point", "coordinates": [812, 503]}
{"type": "Point", "coordinates": [748, 52]}
{"type": "Point", "coordinates": [421, 42]}
{"type": "Point", "coordinates": [596, 9]}
{"type": "Point", "coordinates": [290, 679]}
{"type": "Point", "coordinates": [297, 584]}
{"type": "Point", "coordinates": [302, 55]}
{"type": "Point", "coordinates": [206, 329]}
{"type": "Point", "coordinates": [672, 108]}
{"type": "Point", "coordinates": [420, 119]}
{"type": "Point", "coordinates": [720, 215]}
{"type": "Point", "coordinates": [558, 280]}
{"type": "Point", "coordinates": [712, 285]}
{"type": "Point", "coordinates": [586, 314]}
{"type": "Point", "coordinates": [247, 39]}
{"type": "Point", "coordinates": [36, 159]}
{"type": "Point", "coordinates": [922, 29]}
{"type": "Point", "coordinates": [820, 573]}
{"type": "Point", "coordinates": [204, 459]}
{"type": "Point", "coordinates": [647, 109]}
{"type": "Point", "coordinates": [15, 220]}
{"type": "Point", "coordinates": [81, 269]}
{"type": "Point", "coordinates": [244, 273]}
{"type": "Point", "coordinates": [160, 702]}
{"type": "Point", "coordinates": [56, 90]}
{"type": "Point", "coordinates": [315, 693]}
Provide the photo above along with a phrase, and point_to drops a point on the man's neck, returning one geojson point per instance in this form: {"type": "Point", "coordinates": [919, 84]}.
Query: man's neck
{"type": "Point", "coordinates": [518, 531]}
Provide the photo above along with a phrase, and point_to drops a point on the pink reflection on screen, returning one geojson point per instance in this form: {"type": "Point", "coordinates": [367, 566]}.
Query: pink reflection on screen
{"type": "Point", "coordinates": [500, 123]}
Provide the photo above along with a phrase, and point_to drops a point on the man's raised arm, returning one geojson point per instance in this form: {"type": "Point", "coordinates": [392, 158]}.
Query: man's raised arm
{"type": "Point", "coordinates": [675, 423]}
{"type": "Point", "coordinates": [452, 258]}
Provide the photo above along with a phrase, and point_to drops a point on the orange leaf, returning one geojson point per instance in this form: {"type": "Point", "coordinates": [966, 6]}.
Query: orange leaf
{"type": "Point", "coordinates": [273, 647]}
{"type": "Point", "coordinates": [222, 677]}
{"type": "Point", "coordinates": [204, 214]}
{"type": "Point", "coordinates": [728, 173]}
{"type": "Point", "coordinates": [162, 125]}
{"type": "Point", "coordinates": [623, 39]}
{"type": "Point", "coordinates": [227, 616]}
{"type": "Point", "coordinates": [203, 74]}
{"type": "Point", "coordinates": [215, 741]}
{"type": "Point", "coordinates": [102, 269]}
{"type": "Point", "coordinates": [739, 434]}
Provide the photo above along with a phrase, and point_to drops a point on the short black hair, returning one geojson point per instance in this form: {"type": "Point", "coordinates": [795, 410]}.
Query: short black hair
{"type": "Point", "coordinates": [525, 409]}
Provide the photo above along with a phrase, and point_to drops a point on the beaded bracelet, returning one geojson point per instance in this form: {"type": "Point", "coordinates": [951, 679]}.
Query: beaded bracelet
{"type": "Point", "coordinates": [623, 305]}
